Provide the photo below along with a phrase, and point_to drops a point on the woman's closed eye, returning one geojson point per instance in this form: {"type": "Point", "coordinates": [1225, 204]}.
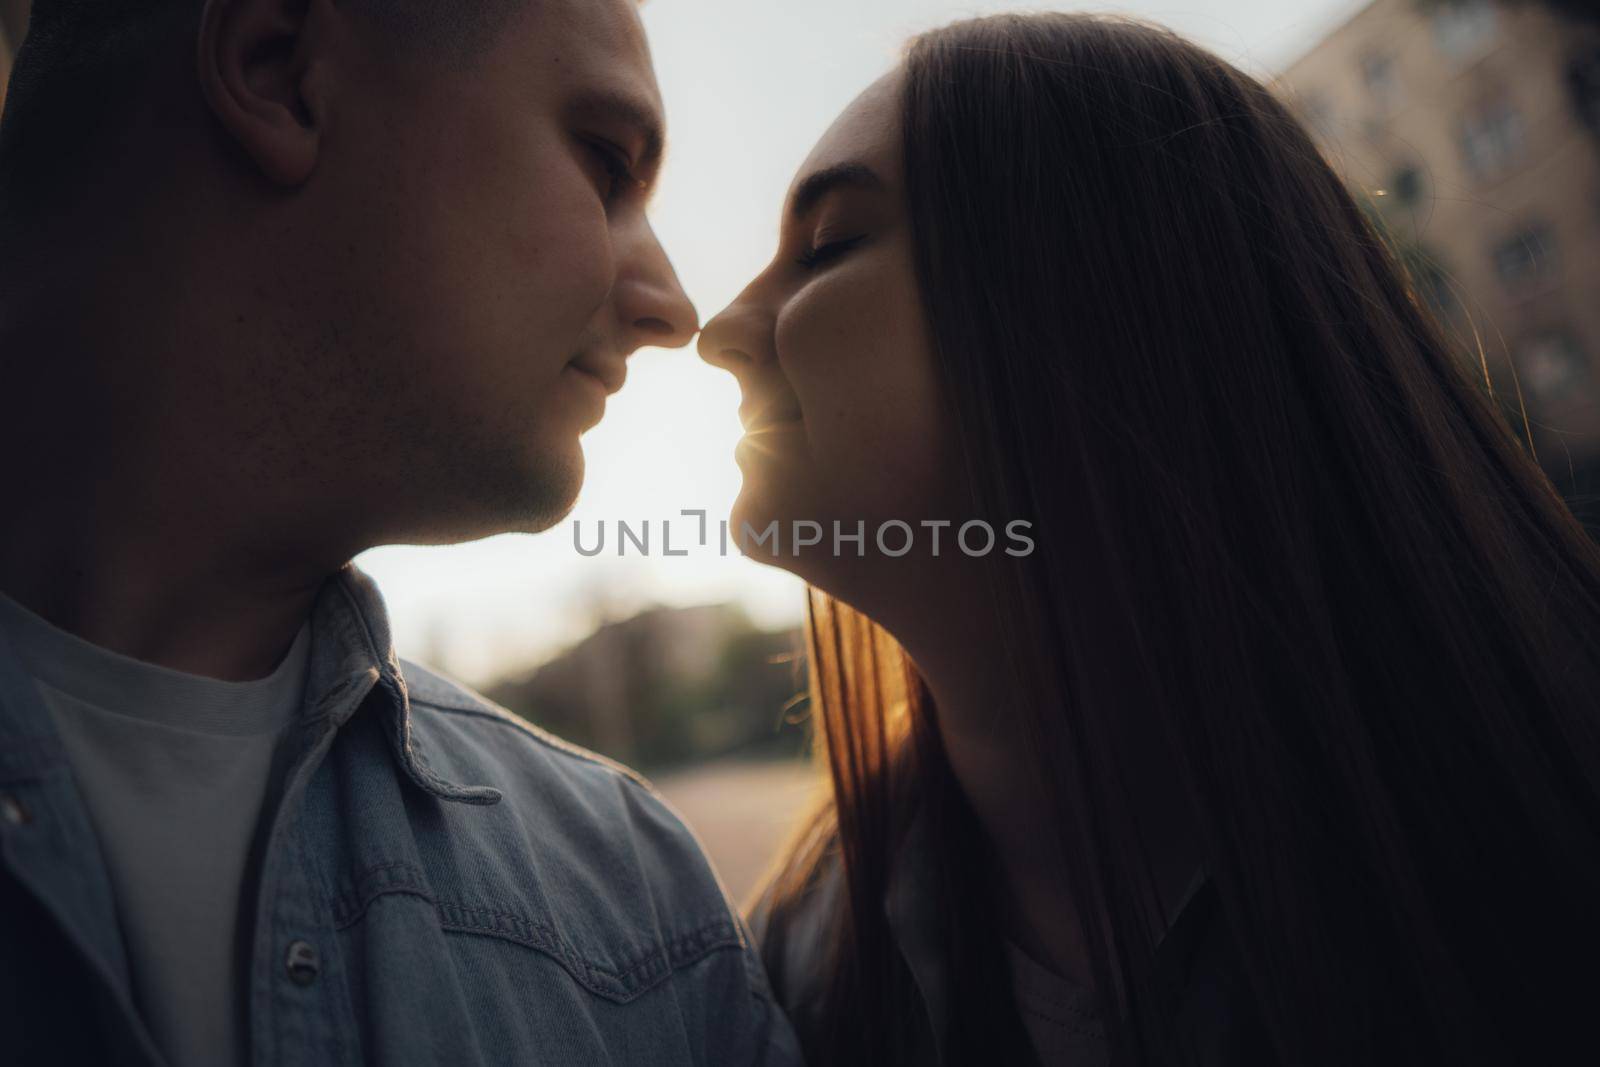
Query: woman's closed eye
{"type": "Point", "coordinates": [826, 252]}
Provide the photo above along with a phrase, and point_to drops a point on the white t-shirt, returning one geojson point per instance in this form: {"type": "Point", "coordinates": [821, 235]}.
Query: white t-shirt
{"type": "Point", "coordinates": [174, 770]}
{"type": "Point", "coordinates": [1062, 1018]}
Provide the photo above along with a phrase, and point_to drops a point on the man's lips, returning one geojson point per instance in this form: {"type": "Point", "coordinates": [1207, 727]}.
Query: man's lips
{"type": "Point", "coordinates": [609, 371]}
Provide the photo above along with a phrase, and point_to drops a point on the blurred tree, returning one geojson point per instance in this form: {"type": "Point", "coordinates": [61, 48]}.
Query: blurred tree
{"type": "Point", "coordinates": [669, 686]}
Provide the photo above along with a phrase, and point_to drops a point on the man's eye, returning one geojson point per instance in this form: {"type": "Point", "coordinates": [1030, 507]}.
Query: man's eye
{"type": "Point", "coordinates": [619, 179]}
{"type": "Point", "coordinates": [827, 252]}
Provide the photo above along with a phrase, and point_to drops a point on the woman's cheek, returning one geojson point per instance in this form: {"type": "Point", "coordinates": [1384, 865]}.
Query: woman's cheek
{"type": "Point", "coordinates": [831, 335]}
{"type": "Point", "coordinates": [854, 349]}
{"type": "Point", "coordinates": [894, 420]}
{"type": "Point", "coordinates": [826, 345]}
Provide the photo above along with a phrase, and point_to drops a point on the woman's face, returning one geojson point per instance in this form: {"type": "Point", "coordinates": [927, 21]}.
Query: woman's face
{"type": "Point", "coordinates": [843, 422]}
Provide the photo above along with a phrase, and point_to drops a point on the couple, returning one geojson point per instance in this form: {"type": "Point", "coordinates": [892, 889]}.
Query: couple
{"type": "Point", "coordinates": [1280, 747]}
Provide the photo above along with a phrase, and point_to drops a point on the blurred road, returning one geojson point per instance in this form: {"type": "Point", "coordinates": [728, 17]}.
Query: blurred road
{"type": "Point", "coordinates": [742, 812]}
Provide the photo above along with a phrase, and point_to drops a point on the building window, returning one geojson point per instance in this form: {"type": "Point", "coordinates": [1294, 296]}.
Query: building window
{"type": "Point", "coordinates": [1463, 28]}
{"type": "Point", "coordinates": [1526, 258]}
{"type": "Point", "coordinates": [1551, 367]}
{"type": "Point", "coordinates": [1492, 138]}
{"type": "Point", "coordinates": [1379, 76]}
{"type": "Point", "coordinates": [1406, 186]}
{"type": "Point", "coordinates": [1432, 281]}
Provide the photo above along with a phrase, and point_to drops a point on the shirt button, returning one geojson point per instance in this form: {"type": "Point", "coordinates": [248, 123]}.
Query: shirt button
{"type": "Point", "coordinates": [13, 811]}
{"type": "Point", "coordinates": [301, 963]}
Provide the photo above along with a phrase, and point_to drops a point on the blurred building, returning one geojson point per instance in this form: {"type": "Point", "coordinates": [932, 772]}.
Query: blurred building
{"type": "Point", "coordinates": [704, 702]}
{"type": "Point", "coordinates": [1472, 130]}
{"type": "Point", "coordinates": [668, 686]}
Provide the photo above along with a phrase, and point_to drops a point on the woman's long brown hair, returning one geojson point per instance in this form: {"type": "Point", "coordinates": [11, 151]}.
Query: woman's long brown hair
{"type": "Point", "coordinates": [1278, 518]}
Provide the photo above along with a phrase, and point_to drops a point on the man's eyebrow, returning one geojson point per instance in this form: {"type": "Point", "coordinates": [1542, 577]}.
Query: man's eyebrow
{"type": "Point", "coordinates": [819, 184]}
{"type": "Point", "coordinates": [635, 111]}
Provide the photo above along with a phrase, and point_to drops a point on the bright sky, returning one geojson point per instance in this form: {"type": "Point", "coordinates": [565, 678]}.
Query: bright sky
{"type": "Point", "coordinates": [749, 86]}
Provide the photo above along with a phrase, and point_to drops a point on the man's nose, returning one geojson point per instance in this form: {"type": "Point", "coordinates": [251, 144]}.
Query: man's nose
{"type": "Point", "coordinates": [651, 303]}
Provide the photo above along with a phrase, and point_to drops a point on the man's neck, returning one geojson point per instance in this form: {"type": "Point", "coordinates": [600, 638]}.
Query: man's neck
{"type": "Point", "coordinates": [140, 512]}
{"type": "Point", "coordinates": [155, 594]}
{"type": "Point", "coordinates": [115, 533]}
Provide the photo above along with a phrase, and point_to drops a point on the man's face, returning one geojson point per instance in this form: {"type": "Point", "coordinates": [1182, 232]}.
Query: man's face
{"type": "Point", "coordinates": [485, 265]}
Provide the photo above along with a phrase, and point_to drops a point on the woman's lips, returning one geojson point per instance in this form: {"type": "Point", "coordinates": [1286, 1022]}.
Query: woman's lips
{"type": "Point", "coordinates": [769, 414]}
{"type": "Point", "coordinates": [774, 422]}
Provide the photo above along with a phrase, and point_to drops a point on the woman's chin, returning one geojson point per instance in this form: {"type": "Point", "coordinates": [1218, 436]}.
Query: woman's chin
{"type": "Point", "coordinates": [766, 532]}
{"type": "Point", "coordinates": [756, 529]}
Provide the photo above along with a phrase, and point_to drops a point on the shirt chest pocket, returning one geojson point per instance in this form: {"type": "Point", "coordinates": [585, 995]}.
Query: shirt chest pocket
{"type": "Point", "coordinates": [506, 980]}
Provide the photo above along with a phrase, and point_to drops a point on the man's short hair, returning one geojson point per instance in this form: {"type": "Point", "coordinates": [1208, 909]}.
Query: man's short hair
{"type": "Point", "coordinates": [78, 69]}
{"type": "Point", "coordinates": [72, 78]}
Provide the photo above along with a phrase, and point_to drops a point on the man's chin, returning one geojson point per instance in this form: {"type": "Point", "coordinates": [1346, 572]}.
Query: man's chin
{"type": "Point", "coordinates": [544, 496]}
{"type": "Point", "coordinates": [497, 497]}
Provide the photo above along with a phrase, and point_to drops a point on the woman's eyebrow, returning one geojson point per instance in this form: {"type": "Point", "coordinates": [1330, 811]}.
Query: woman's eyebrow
{"type": "Point", "coordinates": [820, 183]}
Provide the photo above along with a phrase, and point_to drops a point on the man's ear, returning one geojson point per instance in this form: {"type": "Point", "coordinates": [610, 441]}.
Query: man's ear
{"type": "Point", "coordinates": [262, 68]}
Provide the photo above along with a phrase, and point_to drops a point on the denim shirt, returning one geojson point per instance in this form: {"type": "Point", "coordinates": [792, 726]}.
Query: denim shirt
{"type": "Point", "coordinates": [438, 882]}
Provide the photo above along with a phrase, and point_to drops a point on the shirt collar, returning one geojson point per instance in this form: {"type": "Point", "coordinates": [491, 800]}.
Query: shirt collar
{"type": "Point", "coordinates": [352, 664]}
{"type": "Point", "coordinates": [353, 653]}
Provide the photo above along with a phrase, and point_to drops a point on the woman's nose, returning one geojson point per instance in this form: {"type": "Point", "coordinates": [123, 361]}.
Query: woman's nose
{"type": "Point", "coordinates": [737, 339]}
